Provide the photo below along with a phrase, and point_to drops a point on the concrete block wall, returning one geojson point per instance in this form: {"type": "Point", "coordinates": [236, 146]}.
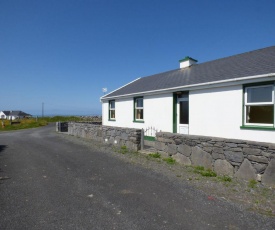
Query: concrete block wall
{"type": "Point", "coordinates": [116, 136]}
{"type": "Point", "coordinates": [242, 159]}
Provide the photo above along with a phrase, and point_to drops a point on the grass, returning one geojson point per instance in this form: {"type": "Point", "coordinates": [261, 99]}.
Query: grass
{"type": "Point", "coordinates": [206, 173]}
{"type": "Point", "coordinates": [22, 124]}
{"type": "Point", "coordinates": [154, 155]}
{"type": "Point", "coordinates": [169, 160]}
{"type": "Point", "coordinates": [252, 183]}
{"type": "Point", "coordinates": [123, 149]}
{"type": "Point", "coordinates": [28, 123]}
{"type": "Point", "coordinates": [225, 178]}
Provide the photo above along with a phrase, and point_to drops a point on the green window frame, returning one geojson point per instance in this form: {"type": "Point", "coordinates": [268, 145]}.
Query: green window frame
{"type": "Point", "coordinates": [138, 109]}
{"type": "Point", "coordinates": [112, 110]}
{"type": "Point", "coordinates": [258, 106]}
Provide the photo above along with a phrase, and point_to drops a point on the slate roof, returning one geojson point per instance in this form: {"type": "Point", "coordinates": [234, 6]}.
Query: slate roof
{"type": "Point", "coordinates": [251, 63]}
{"type": "Point", "coordinates": [15, 113]}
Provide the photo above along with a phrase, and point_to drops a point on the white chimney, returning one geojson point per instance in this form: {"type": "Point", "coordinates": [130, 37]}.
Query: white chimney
{"type": "Point", "coordinates": [187, 62]}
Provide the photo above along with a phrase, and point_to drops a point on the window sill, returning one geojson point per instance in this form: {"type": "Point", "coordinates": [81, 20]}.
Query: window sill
{"type": "Point", "coordinates": [258, 128]}
{"type": "Point", "coordinates": [136, 121]}
{"type": "Point", "coordinates": [111, 120]}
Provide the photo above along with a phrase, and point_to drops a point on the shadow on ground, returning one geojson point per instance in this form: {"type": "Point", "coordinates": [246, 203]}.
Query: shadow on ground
{"type": "Point", "coordinates": [2, 148]}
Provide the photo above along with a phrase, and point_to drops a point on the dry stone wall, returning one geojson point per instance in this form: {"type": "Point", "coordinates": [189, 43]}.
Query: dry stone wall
{"type": "Point", "coordinates": [106, 134]}
{"type": "Point", "coordinates": [242, 159]}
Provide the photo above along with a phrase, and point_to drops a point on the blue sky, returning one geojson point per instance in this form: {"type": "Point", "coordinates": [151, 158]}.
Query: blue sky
{"type": "Point", "coordinates": [63, 52]}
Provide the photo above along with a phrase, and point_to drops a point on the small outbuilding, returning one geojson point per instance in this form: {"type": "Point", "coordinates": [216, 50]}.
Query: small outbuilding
{"type": "Point", "coordinates": [231, 97]}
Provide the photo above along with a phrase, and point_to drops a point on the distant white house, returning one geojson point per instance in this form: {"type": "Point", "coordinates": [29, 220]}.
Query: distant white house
{"type": "Point", "coordinates": [12, 115]}
{"type": "Point", "coordinates": [232, 97]}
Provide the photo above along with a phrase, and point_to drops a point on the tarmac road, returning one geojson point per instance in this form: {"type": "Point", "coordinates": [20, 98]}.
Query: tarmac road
{"type": "Point", "coordinates": [56, 182]}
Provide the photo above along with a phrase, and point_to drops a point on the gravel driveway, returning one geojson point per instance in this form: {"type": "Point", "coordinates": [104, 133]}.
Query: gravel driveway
{"type": "Point", "coordinates": [55, 181]}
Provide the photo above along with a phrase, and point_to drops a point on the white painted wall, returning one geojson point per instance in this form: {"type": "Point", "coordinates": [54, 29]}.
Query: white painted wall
{"type": "Point", "coordinates": [213, 112]}
{"type": "Point", "coordinates": [2, 115]}
{"type": "Point", "coordinates": [157, 113]}
{"type": "Point", "coordinates": [218, 112]}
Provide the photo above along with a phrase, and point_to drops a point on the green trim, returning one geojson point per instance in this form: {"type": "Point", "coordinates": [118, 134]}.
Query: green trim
{"type": "Point", "coordinates": [174, 124]}
{"type": "Point", "coordinates": [109, 103]}
{"type": "Point", "coordinates": [138, 121]}
{"type": "Point", "coordinates": [149, 138]}
{"type": "Point", "coordinates": [260, 84]}
{"type": "Point", "coordinates": [188, 58]}
{"type": "Point", "coordinates": [244, 115]}
{"type": "Point", "coordinates": [258, 128]}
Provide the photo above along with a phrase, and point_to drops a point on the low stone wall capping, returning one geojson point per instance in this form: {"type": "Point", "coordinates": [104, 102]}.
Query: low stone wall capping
{"type": "Point", "coordinates": [107, 134]}
{"type": "Point", "coordinates": [242, 159]}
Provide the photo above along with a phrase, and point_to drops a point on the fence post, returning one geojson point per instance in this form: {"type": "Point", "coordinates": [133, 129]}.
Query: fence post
{"type": "Point", "coordinates": [142, 139]}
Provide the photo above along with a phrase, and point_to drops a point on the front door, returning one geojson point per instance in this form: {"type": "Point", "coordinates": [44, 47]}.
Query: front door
{"type": "Point", "coordinates": [183, 113]}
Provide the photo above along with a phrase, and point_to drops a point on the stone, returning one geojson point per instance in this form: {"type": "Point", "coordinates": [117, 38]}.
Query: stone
{"type": "Point", "coordinates": [231, 145]}
{"type": "Point", "coordinates": [236, 149]}
{"type": "Point", "coordinates": [223, 167]}
{"type": "Point", "coordinates": [178, 141]}
{"type": "Point", "coordinates": [185, 150]}
{"type": "Point", "coordinates": [243, 145]}
{"type": "Point", "coordinates": [268, 177]}
{"type": "Point", "coordinates": [206, 144]}
{"type": "Point", "coordinates": [124, 136]}
{"type": "Point", "coordinates": [246, 171]}
{"type": "Point", "coordinates": [215, 155]}
{"type": "Point", "coordinates": [201, 158]}
{"type": "Point", "coordinates": [208, 149]}
{"type": "Point", "coordinates": [171, 149]}
{"type": "Point", "coordinates": [266, 154]}
{"type": "Point", "coordinates": [182, 159]}
{"type": "Point", "coordinates": [260, 168]}
{"type": "Point", "coordinates": [217, 150]}
{"type": "Point", "coordinates": [251, 151]}
{"type": "Point", "coordinates": [259, 177]}
{"type": "Point", "coordinates": [234, 156]}
{"type": "Point", "coordinates": [219, 144]}
{"type": "Point", "coordinates": [259, 159]}
{"type": "Point", "coordinates": [160, 145]}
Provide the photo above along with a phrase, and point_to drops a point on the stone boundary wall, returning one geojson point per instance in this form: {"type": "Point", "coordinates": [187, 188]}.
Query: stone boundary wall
{"type": "Point", "coordinates": [107, 134]}
{"type": "Point", "coordinates": [236, 158]}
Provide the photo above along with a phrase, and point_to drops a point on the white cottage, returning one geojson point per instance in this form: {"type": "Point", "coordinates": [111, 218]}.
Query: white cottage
{"type": "Point", "coordinates": [232, 97]}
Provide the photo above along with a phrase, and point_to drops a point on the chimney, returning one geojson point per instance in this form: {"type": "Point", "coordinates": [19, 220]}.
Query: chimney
{"type": "Point", "coordinates": [187, 62]}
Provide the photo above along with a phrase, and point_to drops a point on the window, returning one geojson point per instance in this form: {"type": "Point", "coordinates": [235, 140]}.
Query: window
{"type": "Point", "coordinates": [138, 109]}
{"type": "Point", "coordinates": [112, 110]}
{"type": "Point", "coordinates": [259, 105]}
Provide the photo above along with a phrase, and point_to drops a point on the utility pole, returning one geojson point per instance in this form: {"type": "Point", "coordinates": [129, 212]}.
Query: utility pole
{"type": "Point", "coordinates": [42, 109]}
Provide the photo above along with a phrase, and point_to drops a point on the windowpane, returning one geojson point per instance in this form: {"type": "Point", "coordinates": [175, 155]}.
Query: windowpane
{"type": "Point", "coordinates": [184, 112]}
{"type": "Point", "coordinates": [259, 94]}
{"type": "Point", "coordinates": [260, 114]}
{"type": "Point", "coordinates": [112, 114]}
{"type": "Point", "coordinates": [112, 104]}
{"type": "Point", "coordinates": [139, 114]}
{"type": "Point", "coordinates": [139, 102]}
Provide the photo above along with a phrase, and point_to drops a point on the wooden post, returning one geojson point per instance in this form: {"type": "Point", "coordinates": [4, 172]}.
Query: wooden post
{"type": "Point", "coordinates": [142, 139]}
